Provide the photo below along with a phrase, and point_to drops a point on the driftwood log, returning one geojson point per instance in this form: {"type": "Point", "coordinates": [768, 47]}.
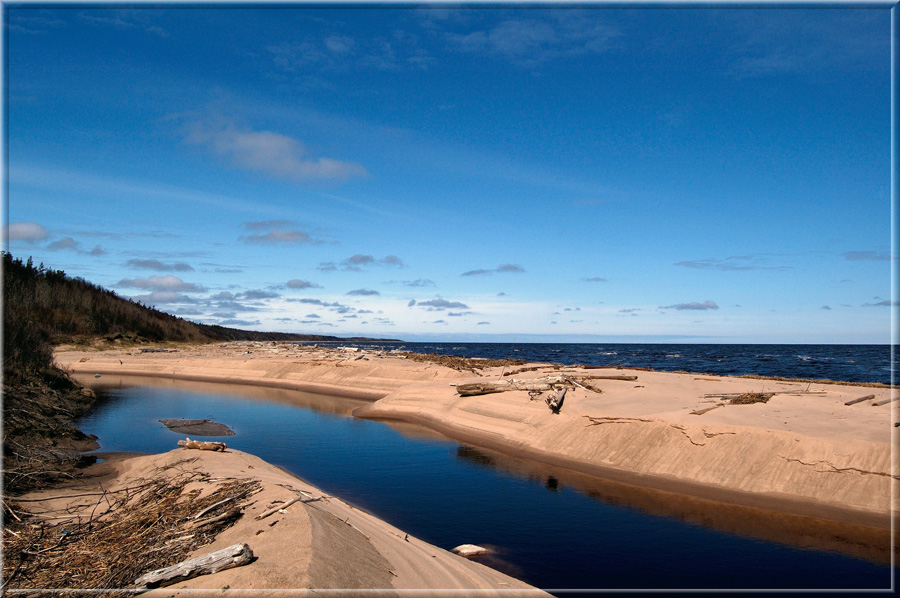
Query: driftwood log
{"type": "Point", "coordinates": [203, 446]}
{"type": "Point", "coordinates": [860, 400]}
{"type": "Point", "coordinates": [555, 402]}
{"type": "Point", "coordinates": [226, 558]}
{"type": "Point", "coordinates": [531, 384]}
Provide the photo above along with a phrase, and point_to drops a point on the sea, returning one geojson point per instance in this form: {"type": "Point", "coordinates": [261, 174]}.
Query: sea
{"type": "Point", "coordinates": [845, 363]}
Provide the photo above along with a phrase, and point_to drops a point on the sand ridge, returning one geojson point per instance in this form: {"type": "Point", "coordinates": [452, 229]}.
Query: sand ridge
{"type": "Point", "coordinates": [308, 548]}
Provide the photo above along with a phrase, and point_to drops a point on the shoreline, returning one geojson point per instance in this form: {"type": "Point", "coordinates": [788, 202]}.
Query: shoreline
{"type": "Point", "coordinates": [825, 461]}
{"type": "Point", "coordinates": [308, 546]}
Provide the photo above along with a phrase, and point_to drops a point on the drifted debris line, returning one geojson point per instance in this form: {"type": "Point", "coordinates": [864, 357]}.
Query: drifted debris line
{"type": "Point", "coordinates": [150, 525]}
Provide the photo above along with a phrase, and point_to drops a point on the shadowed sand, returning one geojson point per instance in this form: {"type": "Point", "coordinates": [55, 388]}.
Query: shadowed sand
{"type": "Point", "coordinates": [804, 452]}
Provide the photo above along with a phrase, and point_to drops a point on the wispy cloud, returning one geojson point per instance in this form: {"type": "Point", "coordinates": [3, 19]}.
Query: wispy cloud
{"type": "Point", "coordinates": [34, 24]}
{"type": "Point", "coordinates": [60, 180]}
{"type": "Point", "coordinates": [275, 233]}
{"type": "Point", "coordinates": [533, 38]}
{"type": "Point", "coordinates": [338, 53]}
{"type": "Point", "coordinates": [735, 263]}
{"type": "Point", "coordinates": [694, 306]}
{"type": "Point", "coordinates": [70, 244]}
{"type": "Point", "coordinates": [296, 283]}
{"type": "Point", "coordinates": [499, 269]}
{"type": "Point", "coordinates": [154, 264]}
{"type": "Point", "coordinates": [882, 303]}
{"type": "Point", "coordinates": [765, 43]}
{"type": "Point", "coordinates": [418, 283]}
{"type": "Point", "coordinates": [363, 292]}
{"type": "Point", "coordinates": [358, 262]}
{"type": "Point", "coordinates": [123, 20]}
{"type": "Point", "coordinates": [863, 256]}
{"type": "Point", "coordinates": [594, 279]}
{"type": "Point", "coordinates": [268, 153]}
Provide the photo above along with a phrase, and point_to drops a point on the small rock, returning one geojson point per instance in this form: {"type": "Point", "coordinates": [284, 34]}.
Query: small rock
{"type": "Point", "coordinates": [469, 550]}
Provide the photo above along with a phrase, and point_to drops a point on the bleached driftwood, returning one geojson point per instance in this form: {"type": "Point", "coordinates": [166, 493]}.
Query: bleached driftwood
{"type": "Point", "coordinates": [555, 402]}
{"type": "Point", "coordinates": [531, 384]}
{"type": "Point", "coordinates": [203, 446]}
{"type": "Point", "coordinates": [226, 558]}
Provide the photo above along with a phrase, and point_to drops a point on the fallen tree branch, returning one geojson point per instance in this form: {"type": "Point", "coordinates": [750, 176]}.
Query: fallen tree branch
{"type": "Point", "coordinates": [226, 558]}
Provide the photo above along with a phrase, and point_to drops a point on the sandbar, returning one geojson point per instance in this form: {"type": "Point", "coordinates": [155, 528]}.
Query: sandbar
{"type": "Point", "coordinates": [303, 549]}
{"type": "Point", "coordinates": [803, 452]}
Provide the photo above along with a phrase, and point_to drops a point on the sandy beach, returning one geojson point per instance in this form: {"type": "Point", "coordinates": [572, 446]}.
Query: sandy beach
{"type": "Point", "coordinates": [804, 452]}
{"type": "Point", "coordinates": [323, 544]}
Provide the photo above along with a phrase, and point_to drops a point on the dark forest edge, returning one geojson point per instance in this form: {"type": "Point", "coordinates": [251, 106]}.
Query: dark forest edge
{"type": "Point", "coordinates": [43, 307]}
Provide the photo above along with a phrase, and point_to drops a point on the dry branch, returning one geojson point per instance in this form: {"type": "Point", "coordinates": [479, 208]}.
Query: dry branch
{"type": "Point", "coordinates": [226, 558]}
{"type": "Point", "coordinates": [203, 446]}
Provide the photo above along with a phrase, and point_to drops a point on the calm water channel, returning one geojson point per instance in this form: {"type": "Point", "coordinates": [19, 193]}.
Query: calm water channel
{"type": "Point", "coordinates": [551, 528]}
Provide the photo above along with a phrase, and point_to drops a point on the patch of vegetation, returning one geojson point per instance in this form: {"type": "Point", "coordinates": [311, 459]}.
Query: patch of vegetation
{"type": "Point", "coordinates": [128, 533]}
{"type": "Point", "coordinates": [461, 363]}
{"type": "Point", "coordinates": [749, 398]}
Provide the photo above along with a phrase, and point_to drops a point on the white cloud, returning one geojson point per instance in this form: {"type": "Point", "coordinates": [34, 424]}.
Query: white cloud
{"type": "Point", "coordinates": [29, 232]}
{"type": "Point", "coordinates": [166, 283]}
{"type": "Point", "coordinates": [163, 297]}
{"type": "Point", "coordinates": [269, 153]}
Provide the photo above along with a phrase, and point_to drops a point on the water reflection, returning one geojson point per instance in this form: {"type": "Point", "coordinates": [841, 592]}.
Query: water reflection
{"type": "Point", "coordinates": [862, 541]}
{"type": "Point", "coordinates": [321, 403]}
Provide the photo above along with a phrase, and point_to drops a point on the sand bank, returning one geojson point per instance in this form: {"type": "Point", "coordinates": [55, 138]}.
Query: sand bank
{"type": "Point", "coordinates": [804, 451]}
{"type": "Point", "coordinates": [325, 544]}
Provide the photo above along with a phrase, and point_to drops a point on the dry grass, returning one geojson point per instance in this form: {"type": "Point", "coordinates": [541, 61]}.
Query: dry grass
{"type": "Point", "coordinates": [461, 363]}
{"type": "Point", "coordinates": [748, 398]}
{"type": "Point", "coordinates": [156, 523]}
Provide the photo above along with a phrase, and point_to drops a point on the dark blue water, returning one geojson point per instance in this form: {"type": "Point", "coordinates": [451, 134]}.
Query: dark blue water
{"type": "Point", "coordinates": [847, 363]}
{"type": "Point", "coordinates": [545, 531]}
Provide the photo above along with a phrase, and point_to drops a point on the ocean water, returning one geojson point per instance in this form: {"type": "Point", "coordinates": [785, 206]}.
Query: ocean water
{"type": "Point", "coordinates": [550, 527]}
{"type": "Point", "coordinates": [847, 363]}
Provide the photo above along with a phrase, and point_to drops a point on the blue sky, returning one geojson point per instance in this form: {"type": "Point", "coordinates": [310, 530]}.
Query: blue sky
{"type": "Point", "coordinates": [422, 172]}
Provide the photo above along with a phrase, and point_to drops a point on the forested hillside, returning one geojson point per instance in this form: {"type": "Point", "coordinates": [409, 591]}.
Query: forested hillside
{"type": "Point", "coordinates": [43, 307]}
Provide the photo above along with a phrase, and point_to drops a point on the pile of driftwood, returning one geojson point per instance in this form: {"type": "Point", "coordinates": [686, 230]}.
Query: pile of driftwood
{"type": "Point", "coordinates": [117, 536]}
{"type": "Point", "coordinates": [551, 388]}
{"type": "Point", "coordinates": [460, 363]}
